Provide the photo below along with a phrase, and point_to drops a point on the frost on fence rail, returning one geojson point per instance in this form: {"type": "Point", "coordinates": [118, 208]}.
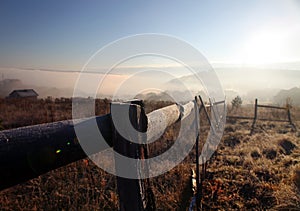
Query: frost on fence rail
{"type": "Point", "coordinates": [160, 119]}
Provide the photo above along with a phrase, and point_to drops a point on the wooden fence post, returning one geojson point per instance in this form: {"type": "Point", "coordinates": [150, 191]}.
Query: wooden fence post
{"type": "Point", "coordinates": [255, 116]}
{"type": "Point", "coordinates": [134, 194]}
{"type": "Point", "coordinates": [205, 110]}
{"type": "Point", "coordinates": [198, 196]}
{"type": "Point", "coordinates": [289, 114]}
{"type": "Point", "coordinates": [289, 117]}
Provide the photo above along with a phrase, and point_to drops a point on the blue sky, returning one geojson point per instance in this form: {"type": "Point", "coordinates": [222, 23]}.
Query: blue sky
{"type": "Point", "coordinates": [64, 34]}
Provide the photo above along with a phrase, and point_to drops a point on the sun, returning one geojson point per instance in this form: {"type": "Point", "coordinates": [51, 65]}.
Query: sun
{"type": "Point", "coordinates": [264, 47]}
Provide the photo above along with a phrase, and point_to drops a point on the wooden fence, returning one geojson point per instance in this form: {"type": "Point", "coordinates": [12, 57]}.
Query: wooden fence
{"type": "Point", "coordinates": [255, 117]}
{"type": "Point", "coordinates": [28, 152]}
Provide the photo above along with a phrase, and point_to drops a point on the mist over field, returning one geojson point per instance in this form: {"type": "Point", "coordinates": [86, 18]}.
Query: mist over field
{"type": "Point", "coordinates": [268, 84]}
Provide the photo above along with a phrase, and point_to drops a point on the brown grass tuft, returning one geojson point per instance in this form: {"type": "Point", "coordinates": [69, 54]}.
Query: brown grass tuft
{"type": "Point", "coordinates": [270, 153]}
{"type": "Point", "coordinates": [255, 154]}
{"type": "Point", "coordinates": [287, 146]}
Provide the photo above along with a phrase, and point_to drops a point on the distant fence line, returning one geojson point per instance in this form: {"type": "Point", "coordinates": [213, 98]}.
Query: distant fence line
{"type": "Point", "coordinates": [255, 117]}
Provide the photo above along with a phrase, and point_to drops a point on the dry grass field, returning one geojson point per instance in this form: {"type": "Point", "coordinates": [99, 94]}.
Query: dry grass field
{"type": "Point", "coordinates": [248, 172]}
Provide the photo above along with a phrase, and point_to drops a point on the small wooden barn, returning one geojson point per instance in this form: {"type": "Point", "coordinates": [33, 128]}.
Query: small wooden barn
{"type": "Point", "coordinates": [24, 94]}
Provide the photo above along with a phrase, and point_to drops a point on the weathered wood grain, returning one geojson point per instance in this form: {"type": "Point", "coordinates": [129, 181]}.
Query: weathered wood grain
{"type": "Point", "coordinates": [160, 119]}
{"type": "Point", "coordinates": [134, 194]}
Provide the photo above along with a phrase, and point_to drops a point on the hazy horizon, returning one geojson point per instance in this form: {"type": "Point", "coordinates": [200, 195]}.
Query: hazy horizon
{"type": "Point", "coordinates": [237, 79]}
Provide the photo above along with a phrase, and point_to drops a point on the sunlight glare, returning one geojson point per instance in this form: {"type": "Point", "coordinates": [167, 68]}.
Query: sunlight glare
{"type": "Point", "coordinates": [264, 47]}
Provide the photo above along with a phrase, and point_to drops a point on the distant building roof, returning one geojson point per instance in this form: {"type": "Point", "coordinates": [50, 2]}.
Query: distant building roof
{"type": "Point", "coordinates": [23, 93]}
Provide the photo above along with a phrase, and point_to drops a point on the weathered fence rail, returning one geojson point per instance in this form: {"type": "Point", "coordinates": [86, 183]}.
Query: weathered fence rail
{"type": "Point", "coordinates": [239, 117]}
{"type": "Point", "coordinates": [274, 107]}
{"type": "Point", "coordinates": [28, 152]}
